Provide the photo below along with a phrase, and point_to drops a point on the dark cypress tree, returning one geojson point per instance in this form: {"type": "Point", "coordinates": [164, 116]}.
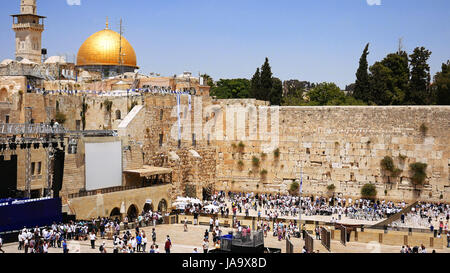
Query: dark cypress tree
{"type": "Point", "coordinates": [277, 91]}
{"type": "Point", "coordinates": [380, 80]}
{"type": "Point", "coordinates": [255, 84]}
{"type": "Point", "coordinates": [362, 86]}
{"type": "Point", "coordinates": [419, 85]}
{"type": "Point", "coordinates": [266, 82]}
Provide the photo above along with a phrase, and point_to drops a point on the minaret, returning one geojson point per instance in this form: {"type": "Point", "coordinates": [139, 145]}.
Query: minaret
{"type": "Point", "coordinates": [28, 27]}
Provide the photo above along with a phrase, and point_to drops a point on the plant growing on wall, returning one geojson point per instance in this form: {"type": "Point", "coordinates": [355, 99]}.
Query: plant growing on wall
{"type": "Point", "coordinates": [263, 174]}
{"type": "Point", "coordinates": [369, 191]}
{"type": "Point", "coordinates": [255, 162]}
{"type": "Point", "coordinates": [60, 117]}
{"type": "Point", "coordinates": [419, 173]}
{"type": "Point", "coordinates": [331, 187]}
{"type": "Point", "coordinates": [263, 156]}
{"type": "Point", "coordinates": [240, 165]}
{"type": "Point", "coordinates": [387, 164]}
{"type": "Point", "coordinates": [276, 153]}
{"type": "Point", "coordinates": [293, 188]}
{"type": "Point", "coordinates": [241, 147]}
{"type": "Point", "coordinates": [402, 157]}
{"type": "Point", "coordinates": [423, 129]}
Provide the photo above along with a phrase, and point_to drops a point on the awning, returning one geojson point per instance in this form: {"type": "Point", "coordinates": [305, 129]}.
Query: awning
{"type": "Point", "coordinates": [149, 171]}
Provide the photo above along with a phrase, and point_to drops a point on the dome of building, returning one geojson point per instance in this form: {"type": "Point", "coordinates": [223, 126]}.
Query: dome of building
{"type": "Point", "coordinates": [103, 49]}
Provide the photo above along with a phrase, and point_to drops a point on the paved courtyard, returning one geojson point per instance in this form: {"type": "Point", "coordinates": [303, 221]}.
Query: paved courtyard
{"type": "Point", "coordinates": [185, 242]}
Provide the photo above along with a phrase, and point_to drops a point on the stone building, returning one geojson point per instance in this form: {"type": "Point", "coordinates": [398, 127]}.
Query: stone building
{"type": "Point", "coordinates": [28, 27]}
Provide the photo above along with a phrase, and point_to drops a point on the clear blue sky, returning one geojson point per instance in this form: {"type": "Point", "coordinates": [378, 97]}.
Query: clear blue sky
{"type": "Point", "coordinates": [314, 40]}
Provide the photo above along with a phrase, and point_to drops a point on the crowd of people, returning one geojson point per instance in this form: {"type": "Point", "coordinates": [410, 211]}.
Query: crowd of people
{"type": "Point", "coordinates": [433, 216]}
{"type": "Point", "coordinates": [277, 206]}
{"type": "Point", "coordinates": [40, 239]}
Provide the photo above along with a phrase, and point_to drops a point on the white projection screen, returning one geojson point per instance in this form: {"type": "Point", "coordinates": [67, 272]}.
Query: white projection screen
{"type": "Point", "coordinates": [103, 165]}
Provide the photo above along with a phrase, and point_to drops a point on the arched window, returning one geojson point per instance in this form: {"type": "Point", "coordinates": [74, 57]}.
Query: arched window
{"type": "Point", "coordinates": [132, 212]}
{"type": "Point", "coordinates": [118, 114]}
{"type": "Point", "coordinates": [162, 206]}
{"type": "Point", "coordinates": [3, 94]}
{"type": "Point", "coordinates": [115, 212]}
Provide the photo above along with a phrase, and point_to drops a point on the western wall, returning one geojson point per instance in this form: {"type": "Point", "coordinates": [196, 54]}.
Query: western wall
{"type": "Point", "coordinates": [342, 146]}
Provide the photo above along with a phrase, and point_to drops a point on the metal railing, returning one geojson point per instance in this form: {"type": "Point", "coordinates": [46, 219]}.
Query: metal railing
{"type": "Point", "coordinates": [30, 129]}
{"type": "Point", "coordinates": [111, 190]}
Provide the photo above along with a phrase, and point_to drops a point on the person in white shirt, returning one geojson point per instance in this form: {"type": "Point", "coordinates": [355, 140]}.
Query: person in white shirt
{"type": "Point", "coordinates": [144, 242]}
{"type": "Point", "coordinates": [92, 237]}
{"type": "Point", "coordinates": [21, 240]}
{"type": "Point", "coordinates": [1, 244]}
{"type": "Point", "coordinates": [133, 244]}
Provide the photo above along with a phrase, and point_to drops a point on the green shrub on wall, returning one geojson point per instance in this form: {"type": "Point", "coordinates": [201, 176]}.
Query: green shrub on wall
{"type": "Point", "coordinates": [293, 188]}
{"type": "Point", "coordinates": [369, 191]}
{"type": "Point", "coordinates": [331, 187]}
{"type": "Point", "coordinates": [387, 164]}
{"type": "Point", "coordinates": [419, 173]}
{"type": "Point", "coordinates": [255, 162]}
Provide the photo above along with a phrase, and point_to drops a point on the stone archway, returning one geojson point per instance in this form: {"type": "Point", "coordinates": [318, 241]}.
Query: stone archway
{"type": "Point", "coordinates": [132, 213]}
{"type": "Point", "coordinates": [3, 95]}
{"type": "Point", "coordinates": [118, 115]}
{"type": "Point", "coordinates": [148, 207]}
{"type": "Point", "coordinates": [115, 212]}
{"type": "Point", "coordinates": [162, 206]}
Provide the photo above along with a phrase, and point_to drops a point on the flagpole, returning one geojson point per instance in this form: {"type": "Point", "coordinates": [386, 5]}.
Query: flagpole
{"type": "Point", "coordinates": [301, 192]}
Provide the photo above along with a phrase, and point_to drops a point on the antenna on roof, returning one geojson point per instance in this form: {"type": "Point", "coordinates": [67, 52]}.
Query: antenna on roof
{"type": "Point", "coordinates": [120, 48]}
{"type": "Point", "coordinates": [400, 45]}
{"type": "Point", "coordinates": [107, 23]}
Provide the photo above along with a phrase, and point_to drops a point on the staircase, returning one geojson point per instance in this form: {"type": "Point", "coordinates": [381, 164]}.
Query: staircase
{"type": "Point", "coordinates": [395, 217]}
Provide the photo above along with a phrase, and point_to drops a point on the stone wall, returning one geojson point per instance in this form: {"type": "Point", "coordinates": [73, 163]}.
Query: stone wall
{"type": "Point", "coordinates": [344, 146]}
{"type": "Point", "coordinates": [330, 145]}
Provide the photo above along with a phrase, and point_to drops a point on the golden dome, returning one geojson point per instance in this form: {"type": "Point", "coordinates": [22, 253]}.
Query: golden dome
{"type": "Point", "coordinates": [102, 48]}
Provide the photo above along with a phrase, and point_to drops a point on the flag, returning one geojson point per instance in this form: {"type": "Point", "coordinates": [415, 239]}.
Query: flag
{"type": "Point", "coordinates": [301, 183]}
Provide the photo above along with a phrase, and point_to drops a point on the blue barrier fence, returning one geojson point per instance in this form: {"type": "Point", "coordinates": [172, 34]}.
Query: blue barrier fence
{"type": "Point", "coordinates": [17, 214]}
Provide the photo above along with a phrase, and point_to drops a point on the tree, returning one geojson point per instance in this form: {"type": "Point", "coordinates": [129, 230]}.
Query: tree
{"type": "Point", "coordinates": [266, 82]}
{"type": "Point", "coordinates": [231, 89]}
{"type": "Point", "coordinates": [209, 81]}
{"type": "Point", "coordinates": [293, 87]}
{"type": "Point", "coordinates": [362, 87]}
{"type": "Point", "coordinates": [418, 91]}
{"type": "Point", "coordinates": [350, 89]}
{"type": "Point", "coordinates": [322, 94]}
{"type": "Point", "coordinates": [380, 81]}
{"type": "Point", "coordinates": [294, 98]}
{"type": "Point", "coordinates": [441, 85]}
{"type": "Point", "coordinates": [276, 93]}
{"type": "Point", "coordinates": [255, 84]}
{"type": "Point", "coordinates": [325, 93]}
{"type": "Point", "coordinates": [398, 65]}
